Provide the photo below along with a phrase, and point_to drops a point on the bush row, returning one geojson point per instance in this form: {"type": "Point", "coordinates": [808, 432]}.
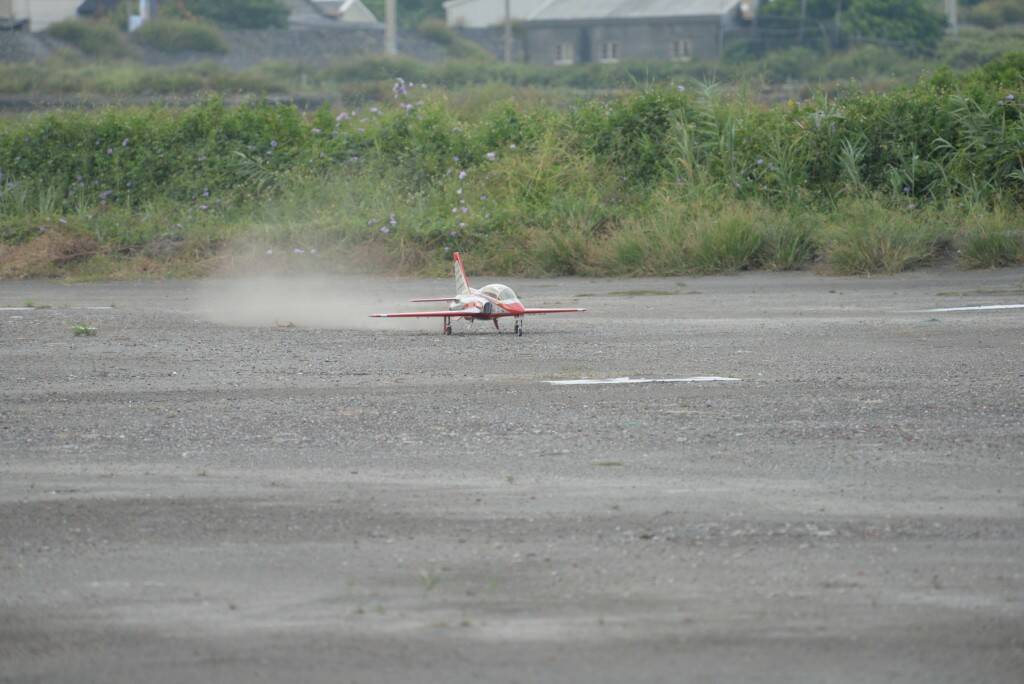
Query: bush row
{"type": "Point", "coordinates": [646, 182]}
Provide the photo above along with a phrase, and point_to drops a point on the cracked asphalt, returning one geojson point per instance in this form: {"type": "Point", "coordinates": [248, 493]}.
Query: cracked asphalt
{"type": "Point", "coordinates": [311, 496]}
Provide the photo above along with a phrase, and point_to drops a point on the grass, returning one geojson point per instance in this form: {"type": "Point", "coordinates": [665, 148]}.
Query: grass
{"type": "Point", "coordinates": [471, 73]}
{"type": "Point", "coordinates": [83, 330]}
{"type": "Point", "coordinates": [658, 182]}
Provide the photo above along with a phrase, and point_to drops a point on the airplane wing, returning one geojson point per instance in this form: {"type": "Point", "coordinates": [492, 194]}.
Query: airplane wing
{"type": "Point", "coordinates": [543, 311]}
{"type": "Point", "coordinates": [435, 299]}
{"type": "Point", "coordinates": [429, 314]}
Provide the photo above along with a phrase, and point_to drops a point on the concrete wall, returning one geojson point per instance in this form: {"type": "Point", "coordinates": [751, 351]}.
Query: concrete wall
{"type": "Point", "coordinates": [42, 13]}
{"type": "Point", "coordinates": [637, 40]}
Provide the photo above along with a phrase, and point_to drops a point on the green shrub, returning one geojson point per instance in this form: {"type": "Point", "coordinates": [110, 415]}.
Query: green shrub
{"type": "Point", "coordinates": [727, 242]}
{"type": "Point", "coordinates": [96, 39]}
{"type": "Point", "coordinates": [457, 47]}
{"type": "Point", "coordinates": [993, 239]}
{"type": "Point", "coordinates": [244, 14]}
{"type": "Point", "coordinates": [867, 237]}
{"type": "Point", "coordinates": [174, 35]}
{"type": "Point", "coordinates": [789, 240]}
{"type": "Point", "coordinates": [994, 13]}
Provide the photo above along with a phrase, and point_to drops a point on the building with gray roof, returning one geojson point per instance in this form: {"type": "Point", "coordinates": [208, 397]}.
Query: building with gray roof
{"type": "Point", "coordinates": [581, 31]}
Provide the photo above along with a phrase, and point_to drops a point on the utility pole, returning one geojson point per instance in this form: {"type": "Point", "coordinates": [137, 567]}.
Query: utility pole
{"type": "Point", "coordinates": [508, 31]}
{"type": "Point", "coordinates": [390, 28]}
{"type": "Point", "coordinates": [951, 16]}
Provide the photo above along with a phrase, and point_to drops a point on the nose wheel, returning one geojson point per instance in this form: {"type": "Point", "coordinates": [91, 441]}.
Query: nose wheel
{"type": "Point", "coordinates": [518, 330]}
{"type": "Point", "coordinates": [447, 325]}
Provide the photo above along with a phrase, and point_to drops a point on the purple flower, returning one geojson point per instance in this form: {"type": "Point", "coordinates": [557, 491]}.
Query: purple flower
{"type": "Point", "coordinates": [464, 210]}
{"type": "Point", "coordinates": [759, 161]}
{"type": "Point", "coordinates": [317, 131]}
{"type": "Point", "coordinates": [342, 117]}
{"type": "Point", "coordinates": [447, 249]}
{"type": "Point", "coordinates": [452, 233]}
{"type": "Point", "coordinates": [392, 220]}
{"type": "Point", "coordinates": [273, 144]}
{"type": "Point", "coordinates": [203, 207]}
{"type": "Point", "coordinates": [906, 189]}
{"type": "Point", "coordinates": [206, 192]}
{"type": "Point", "coordinates": [385, 230]}
{"type": "Point", "coordinates": [680, 88]}
{"type": "Point", "coordinates": [105, 194]}
{"type": "Point", "coordinates": [455, 158]}
{"type": "Point", "coordinates": [491, 156]}
{"type": "Point", "coordinates": [110, 150]}
{"type": "Point", "coordinates": [483, 198]}
{"type": "Point", "coordinates": [374, 110]}
{"type": "Point", "coordinates": [462, 175]}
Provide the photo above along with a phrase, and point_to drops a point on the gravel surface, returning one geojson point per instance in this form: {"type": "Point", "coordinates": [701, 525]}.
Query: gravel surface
{"type": "Point", "coordinates": [214, 490]}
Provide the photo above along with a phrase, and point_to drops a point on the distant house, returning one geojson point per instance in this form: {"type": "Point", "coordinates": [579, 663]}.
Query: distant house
{"type": "Point", "coordinates": [475, 14]}
{"type": "Point", "coordinates": [578, 31]}
{"type": "Point", "coordinates": [36, 14]}
{"type": "Point", "coordinates": [327, 13]}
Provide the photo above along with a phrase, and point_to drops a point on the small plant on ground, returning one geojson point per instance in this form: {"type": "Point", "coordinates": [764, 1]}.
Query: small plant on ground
{"type": "Point", "coordinates": [83, 330]}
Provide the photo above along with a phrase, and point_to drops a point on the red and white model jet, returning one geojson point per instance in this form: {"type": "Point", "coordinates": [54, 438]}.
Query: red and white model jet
{"type": "Point", "coordinates": [489, 303]}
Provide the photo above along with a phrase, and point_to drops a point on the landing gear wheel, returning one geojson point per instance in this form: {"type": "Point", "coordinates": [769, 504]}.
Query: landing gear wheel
{"type": "Point", "coordinates": [447, 326]}
{"type": "Point", "coordinates": [518, 329]}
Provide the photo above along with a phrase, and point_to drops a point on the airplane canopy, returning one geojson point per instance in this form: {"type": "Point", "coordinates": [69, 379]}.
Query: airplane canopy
{"type": "Point", "coordinates": [502, 293]}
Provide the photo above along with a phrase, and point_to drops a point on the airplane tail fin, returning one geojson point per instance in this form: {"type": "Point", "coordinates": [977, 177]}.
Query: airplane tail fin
{"type": "Point", "coordinates": [461, 284]}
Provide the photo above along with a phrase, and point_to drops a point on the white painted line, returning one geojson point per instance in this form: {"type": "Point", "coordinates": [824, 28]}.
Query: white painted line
{"type": "Point", "coordinates": [49, 308]}
{"type": "Point", "coordinates": [636, 381]}
{"type": "Point", "coordinates": [987, 307]}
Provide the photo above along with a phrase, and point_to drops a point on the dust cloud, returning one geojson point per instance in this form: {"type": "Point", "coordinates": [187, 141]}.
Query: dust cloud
{"type": "Point", "coordinates": [314, 301]}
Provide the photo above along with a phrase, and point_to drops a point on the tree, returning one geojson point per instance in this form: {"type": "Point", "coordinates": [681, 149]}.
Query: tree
{"type": "Point", "coordinates": [248, 14]}
{"type": "Point", "coordinates": [909, 23]}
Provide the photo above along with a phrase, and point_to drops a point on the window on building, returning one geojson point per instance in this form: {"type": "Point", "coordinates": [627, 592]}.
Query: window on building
{"type": "Point", "coordinates": [682, 50]}
{"type": "Point", "coordinates": [565, 53]}
{"type": "Point", "coordinates": [609, 52]}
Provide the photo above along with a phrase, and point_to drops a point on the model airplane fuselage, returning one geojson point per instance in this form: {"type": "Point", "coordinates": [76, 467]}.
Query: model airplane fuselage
{"type": "Point", "coordinates": [491, 303]}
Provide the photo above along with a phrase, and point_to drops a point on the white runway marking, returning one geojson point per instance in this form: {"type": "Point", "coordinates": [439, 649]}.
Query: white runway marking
{"type": "Point", "coordinates": [986, 307]}
{"type": "Point", "coordinates": [636, 381]}
{"type": "Point", "coordinates": [49, 308]}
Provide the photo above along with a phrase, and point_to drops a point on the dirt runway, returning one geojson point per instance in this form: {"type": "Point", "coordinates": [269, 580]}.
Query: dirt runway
{"type": "Point", "coordinates": [231, 485]}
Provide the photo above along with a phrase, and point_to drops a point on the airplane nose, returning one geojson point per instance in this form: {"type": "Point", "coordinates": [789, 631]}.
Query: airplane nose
{"type": "Point", "coordinates": [515, 308]}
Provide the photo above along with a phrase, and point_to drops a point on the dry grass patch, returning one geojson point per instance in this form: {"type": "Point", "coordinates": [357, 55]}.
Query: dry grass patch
{"type": "Point", "coordinates": [47, 255]}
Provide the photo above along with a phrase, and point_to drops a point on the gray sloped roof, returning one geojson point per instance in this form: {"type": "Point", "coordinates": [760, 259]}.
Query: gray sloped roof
{"type": "Point", "coordinates": [567, 10]}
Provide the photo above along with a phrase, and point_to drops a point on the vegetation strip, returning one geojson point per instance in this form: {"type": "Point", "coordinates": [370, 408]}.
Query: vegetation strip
{"type": "Point", "coordinates": [658, 182]}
